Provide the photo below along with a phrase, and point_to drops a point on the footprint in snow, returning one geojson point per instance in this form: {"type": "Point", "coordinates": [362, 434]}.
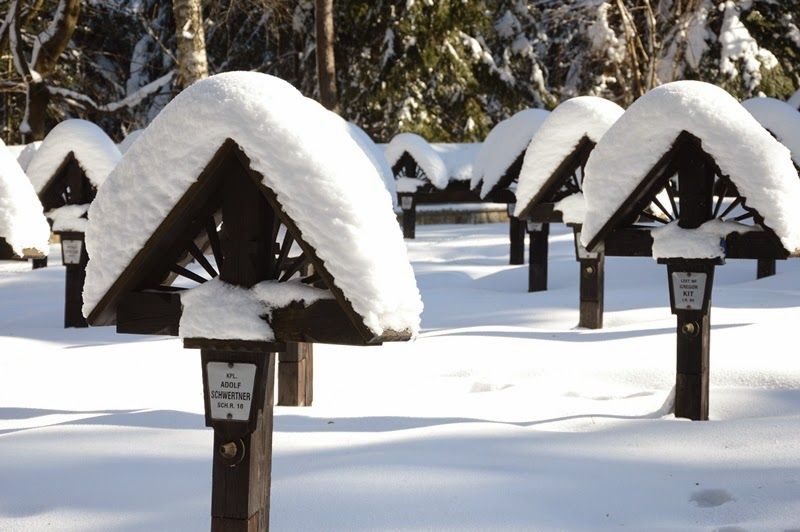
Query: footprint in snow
{"type": "Point", "coordinates": [711, 498]}
{"type": "Point", "coordinates": [480, 387]}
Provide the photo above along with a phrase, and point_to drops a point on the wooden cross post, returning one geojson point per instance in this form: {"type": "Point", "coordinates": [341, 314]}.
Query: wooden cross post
{"type": "Point", "coordinates": [238, 388]}
{"type": "Point", "coordinates": [39, 263]}
{"type": "Point", "coordinates": [537, 260]}
{"type": "Point", "coordinates": [296, 375]}
{"type": "Point", "coordinates": [242, 450]}
{"type": "Point", "coordinates": [592, 284]}
{"type": "Point", "coordinates": [765, 268]}
{"type": "Point", "coordinates": [75, 258]}
{"type": "Point", "coordinates": [516, 236]}
{"type": "Point", "coordinates": [409, 206]}
{"type": "Point", "coordinates": [690, 282]}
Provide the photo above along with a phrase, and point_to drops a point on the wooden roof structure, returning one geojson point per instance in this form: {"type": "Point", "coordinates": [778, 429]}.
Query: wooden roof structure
{"type": "Point", "coordinates": [230, 211]}
{"type": "Point", "coordinates": [68, 185]}
{"type": "Point", "coordinates": [564, 181]}
{"type": "Point", "coordinates": [699, 193]}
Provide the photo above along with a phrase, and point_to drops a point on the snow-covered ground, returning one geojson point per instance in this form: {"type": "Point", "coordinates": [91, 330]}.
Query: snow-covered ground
{"type": "Point", "coordinates": [501, 416]}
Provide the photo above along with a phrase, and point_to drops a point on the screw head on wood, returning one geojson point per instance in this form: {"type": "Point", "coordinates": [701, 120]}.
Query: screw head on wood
{"type": "Point", "coordinates": [228, 450]}
{"type": "Point", "coordinates": [689, 329]}
{"type": "Point", "coordinates": [589, 270]}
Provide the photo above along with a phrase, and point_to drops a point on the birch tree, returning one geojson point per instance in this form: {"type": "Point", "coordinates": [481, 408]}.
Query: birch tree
{"type": "Point", "coordinates": [191, 44]}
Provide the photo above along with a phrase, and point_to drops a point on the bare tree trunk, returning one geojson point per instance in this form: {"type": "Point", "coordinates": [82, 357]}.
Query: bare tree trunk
{"type": "Point", "coordinates": [326, 67]}
{"type": "Point", "coordinates": [192, 59]}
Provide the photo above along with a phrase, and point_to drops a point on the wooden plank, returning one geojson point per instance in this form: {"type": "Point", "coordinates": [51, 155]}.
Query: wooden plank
{"type": "Point", "coordinates": [296, 375]}
{"type": "Point", "coordinates": [516, 237]}
{"type": "Point", "coordinates": [692, 374]}
{"type": "Point", "coordinates": [544, 213]}
{"type": "Point", "coordinates": [537, 260]}
{"type": "Point", "coordinates": [75, 276]}
{"type": "Point", "coordinates": [149, 312]}
{"type": "Point", "coordinates": [592, 290]}
{"type": "Point", "coordinates": [410, 218]}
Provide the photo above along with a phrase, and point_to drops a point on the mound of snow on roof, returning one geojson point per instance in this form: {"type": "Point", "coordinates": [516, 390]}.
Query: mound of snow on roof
{"type": "Point", "coordinates": [25, 152]}
{"type": "Point", "coordinates": [504, 143]}
{"type": "Point", "coordinates": [560, 134]}
{"type": "Point", "coordinates": [95, 152]}
{"type": "Point", "coordinates": [306, 158]}
{"type": "Point", "coordinates": [458, 158]}
{"type": "Point", "coordinates": [428, 159]}
{"type": "Point", "coordinates": [759, 166]}
{"type": "Point", "coordinates": [22, 223]}
{"type": "Point", "coordinates": [781, 119]}
{"type": "Point", "coordinates": [794, 101]}
{"type": "Point", "coordinates": [128, 141]}
{"type": "Point", "coordinates": [377, 158]}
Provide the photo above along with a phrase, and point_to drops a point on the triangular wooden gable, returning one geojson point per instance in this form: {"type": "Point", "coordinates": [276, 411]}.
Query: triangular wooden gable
{"type": "Point", "coordinates": [68, 185]}
{"type": "Point", "coordinates": [230, 211]}
{"type": "Point", "coordinates": [406, 166]}
{"type": "Point", "coordinates": [563, 182]}
{"type": "Point", "coordinates": [686, 176]}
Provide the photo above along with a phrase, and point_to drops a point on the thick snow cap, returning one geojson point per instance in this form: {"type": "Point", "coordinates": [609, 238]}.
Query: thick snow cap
{"type": "Point", "coordinates": [557, 138]}
{"type": "Point", "coordinates": [428, 159]}
{"type": "Point", "coordinates": [95, 152]}
{"type": "Point", "coordinates": [22, 223]}
{"type": "Point", "coordinates": [458, 158]}
{"type": "Point", "coordinates": [504, 143]}
{"type": "Point", "coordinates": [781, 119]}
{"type": "Point", "coordinates": [759, 166]}
{"type": "Point", "coordinates": [377, 158]}
{"type": "Point", "coordinates": [304, 154]}
{"type": "Point", "coordinates": [128, 141]}
{"type": "Point", "coordinates": [26, 153]}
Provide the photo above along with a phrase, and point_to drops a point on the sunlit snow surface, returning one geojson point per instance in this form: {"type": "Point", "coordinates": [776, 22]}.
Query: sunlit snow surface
{"type": "Point", "coordinates": [501, 416]}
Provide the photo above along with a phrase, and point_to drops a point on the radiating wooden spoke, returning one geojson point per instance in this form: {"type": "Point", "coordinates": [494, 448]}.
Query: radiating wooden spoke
{"type": "Point", "coordinates": [295, 265]}
{"type": "Point", "coordinates": [188, 274]}
{"type": "Point", "coordinates": [735, 203]}
{"type": "Point", "coordinates": [743, 217]}
{"type": "Point", "coordinates": [197, 253]}
{"type": "Point", "coordinates": [284, 252]}
{"type": "Point", "coordinates": [663, 209]}
{"type": "Point", "coordinates": [649, 216]}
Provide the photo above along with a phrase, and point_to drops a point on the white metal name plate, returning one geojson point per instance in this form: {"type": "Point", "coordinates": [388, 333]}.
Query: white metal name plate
{"type": "Point", "coordinates": [688, 289]}
{"type": "Point", "coordinates": [72, 251]}
{"type": "Point", "coordinates": [406, 202]}
{"type": "Point", "coordinates": [230, 389]}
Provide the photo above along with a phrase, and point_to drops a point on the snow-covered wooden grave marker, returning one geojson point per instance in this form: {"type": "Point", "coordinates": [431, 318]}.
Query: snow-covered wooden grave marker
{"type": "Point", "coordinates": [708, 183]}
{"type": "Point", "coordinates": [66, 171]}
{"type": "Point", "coordinates": [496, 171]}
{"type": "Point", "coordinates": [260, 194]}
{"type": "Point", "coordinates": [24, 232]}
{"type": "Point", "coordinates": [550, 191]}
{"type": "Point", "coordinates": [429, 174]}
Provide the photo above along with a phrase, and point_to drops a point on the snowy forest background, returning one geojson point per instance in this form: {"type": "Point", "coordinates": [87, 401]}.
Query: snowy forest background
{"type": "Point", "coordinates": [447, 69]}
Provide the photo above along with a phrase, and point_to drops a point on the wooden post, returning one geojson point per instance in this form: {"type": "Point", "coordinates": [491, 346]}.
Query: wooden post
{"type": "Point", "coordinates": [409, 206]}
{"type": "Point", "coordinates": [296, 375]}
{"type": "Point", "coordinates": [75, 258]}
{"type": "Point", "coordinates": [516, 236]}
{"type": "Point", "coordinates": [592, 284]}
{"type": "Point", "coordinates": [690, 296]}
{"type": "Point", "coordinates": [765, 268]}
{"type": "Point", "coordinates": [242, 463]}
{"type": "Point", "coordinates": [537, 260]}
{"type": "Point", "coordinates": [39, 263]}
